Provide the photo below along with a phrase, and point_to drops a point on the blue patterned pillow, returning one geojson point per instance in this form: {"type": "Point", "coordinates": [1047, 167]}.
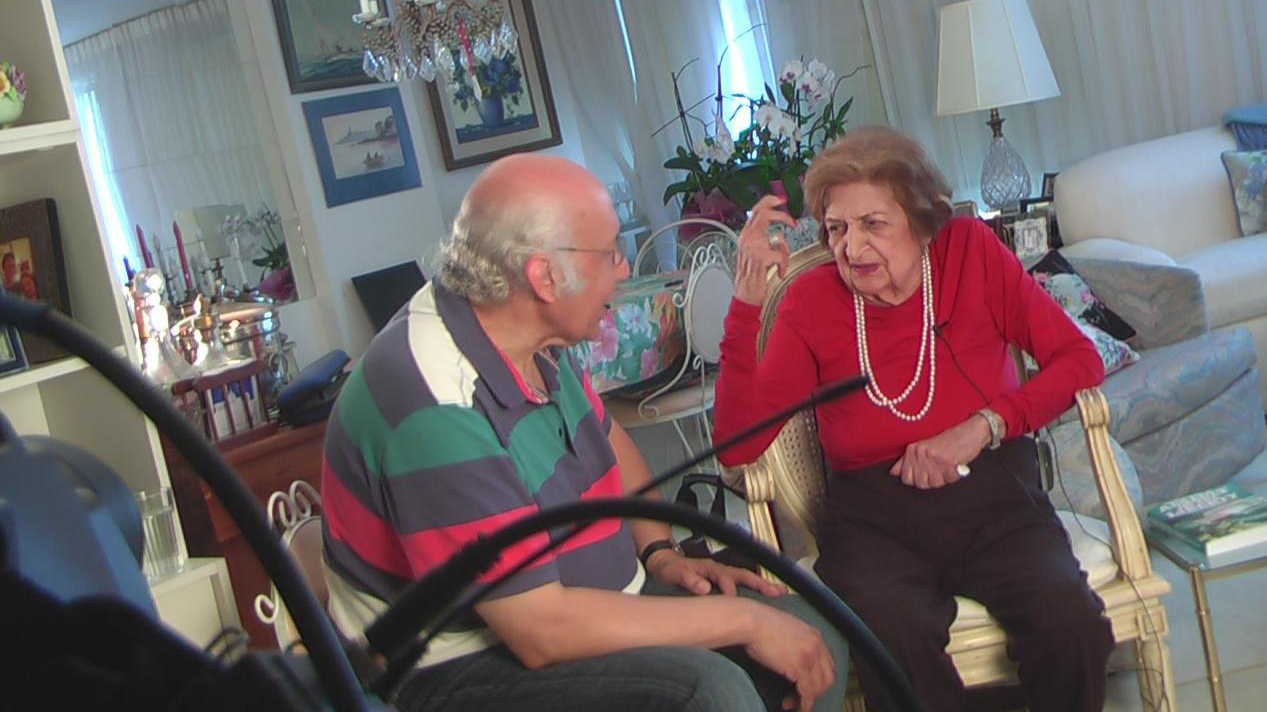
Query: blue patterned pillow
{"type": "Point", "coordinates": [1247, 172]}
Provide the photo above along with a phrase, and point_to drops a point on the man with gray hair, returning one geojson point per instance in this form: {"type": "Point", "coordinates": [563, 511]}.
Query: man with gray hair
{"type": "Point", "coordinates": [464, 414]}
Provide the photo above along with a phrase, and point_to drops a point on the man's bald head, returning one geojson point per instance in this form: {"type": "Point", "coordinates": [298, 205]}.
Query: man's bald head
{"type": "Point", "coordinates": [518, 205]}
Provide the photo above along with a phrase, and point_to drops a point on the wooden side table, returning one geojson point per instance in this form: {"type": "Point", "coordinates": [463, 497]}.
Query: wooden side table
{"type": "Point", "coordinates": [1198, 573]}
{"type": "Point", "coordinates": [266, 465]}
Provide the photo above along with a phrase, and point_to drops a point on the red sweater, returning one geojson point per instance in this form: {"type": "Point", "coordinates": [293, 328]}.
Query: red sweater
{"type": "Point", "coordinates": [982, 299]}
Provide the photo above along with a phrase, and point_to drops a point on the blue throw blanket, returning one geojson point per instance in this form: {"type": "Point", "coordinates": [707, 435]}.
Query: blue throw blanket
{"type": "Point", "coordinates": [1249, 125]}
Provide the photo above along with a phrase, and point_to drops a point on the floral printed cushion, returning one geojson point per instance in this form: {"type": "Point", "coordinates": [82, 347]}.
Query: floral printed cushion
{"type": "Point", "coordinates": [1114, 353]}
{"type": "Point", "coordinates": [1247, 171]}
{"type": "Point", "coordinates": [642, 334]}
{"type": "Point", "coordinates": [1054, 273]}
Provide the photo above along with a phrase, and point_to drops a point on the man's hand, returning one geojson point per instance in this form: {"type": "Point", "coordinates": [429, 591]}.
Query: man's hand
{"type": "Point", "coordinates": [761, 245]}
{"type": "Point", "coordinates": [699, 575]}
{"type": "Point", "coordinates": [788, 646]}
{"type": "Point", "coordinates": [933, 463]}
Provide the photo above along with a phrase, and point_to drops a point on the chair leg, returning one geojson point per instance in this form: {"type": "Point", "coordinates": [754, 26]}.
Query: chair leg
{"type": "Point", "coordinates": [1156, 680]}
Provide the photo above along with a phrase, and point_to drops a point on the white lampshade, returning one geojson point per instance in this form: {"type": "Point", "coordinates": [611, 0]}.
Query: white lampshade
{"type": "Point", "coordinates": [990, 56]}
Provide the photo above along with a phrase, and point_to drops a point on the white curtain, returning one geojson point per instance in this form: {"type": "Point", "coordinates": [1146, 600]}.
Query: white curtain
{"type": "Point", "coordinates": [163, 100]}
{"type": "Point", "coordinates": [619, 109]}
{"type": "Point", "coordinates": [1128, 70]}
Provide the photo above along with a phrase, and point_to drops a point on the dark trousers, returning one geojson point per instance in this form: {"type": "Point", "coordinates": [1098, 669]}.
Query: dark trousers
{"type": "Point", "coordinates": [898, 555]}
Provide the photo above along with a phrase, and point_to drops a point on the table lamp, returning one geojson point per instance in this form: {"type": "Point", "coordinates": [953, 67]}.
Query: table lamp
{"type": "Point", "coordinates": [990, 56]}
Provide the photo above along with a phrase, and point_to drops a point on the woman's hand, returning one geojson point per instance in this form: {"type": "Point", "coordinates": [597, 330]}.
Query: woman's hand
{"type": "Point", "coordinates": [760, 247]}
{"type": "Point", "coordinates": [934, 462]}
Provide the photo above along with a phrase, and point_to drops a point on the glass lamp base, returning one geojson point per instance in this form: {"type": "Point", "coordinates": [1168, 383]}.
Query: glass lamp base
{"type": "Point", "coordinates": [1004, 179]}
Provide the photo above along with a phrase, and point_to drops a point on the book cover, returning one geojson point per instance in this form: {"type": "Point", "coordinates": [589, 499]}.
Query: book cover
{"type": "Point", "coordinates": [1215, 521]}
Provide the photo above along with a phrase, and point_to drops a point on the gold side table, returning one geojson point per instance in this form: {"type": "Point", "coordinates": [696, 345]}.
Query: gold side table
{"type": "Point", "coordinates": [1191, 561]}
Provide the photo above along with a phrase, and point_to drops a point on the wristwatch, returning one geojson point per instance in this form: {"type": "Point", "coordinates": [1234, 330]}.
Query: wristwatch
{"type": "Point", "coordinates": [997, 427]}
{"type": "Point", "coordinates": [658, 545]}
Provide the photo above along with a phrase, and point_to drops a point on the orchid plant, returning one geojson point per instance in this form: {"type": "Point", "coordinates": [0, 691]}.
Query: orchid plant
{"type": "Point", "coordinates": [772, 154]}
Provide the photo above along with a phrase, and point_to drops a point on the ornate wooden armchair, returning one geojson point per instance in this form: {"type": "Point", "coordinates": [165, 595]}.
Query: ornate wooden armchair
{"type": "Point", "coordinates": [788, 478]}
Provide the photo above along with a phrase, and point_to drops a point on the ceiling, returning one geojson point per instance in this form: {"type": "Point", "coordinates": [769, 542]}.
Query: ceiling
{"type": "Point", "coordinates": [77, 19]}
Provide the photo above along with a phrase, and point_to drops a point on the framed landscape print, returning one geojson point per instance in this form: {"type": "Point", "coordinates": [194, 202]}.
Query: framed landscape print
{"type": "Point", "coordinates": [33, 267]}
{"type": "Point", "coordinates": [516, 112]}
{"type": "Point", "coordinates": [362, 145]}
{"type": "Point", "coordinates": [321, 46]}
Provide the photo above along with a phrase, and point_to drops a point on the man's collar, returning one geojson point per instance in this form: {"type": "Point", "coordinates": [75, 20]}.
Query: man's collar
{"type": "Point", "coordinates": [503, 382]}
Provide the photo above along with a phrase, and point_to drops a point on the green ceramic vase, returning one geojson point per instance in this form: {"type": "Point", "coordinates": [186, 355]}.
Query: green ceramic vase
{"type": "Point", "coordinates": [10, 110]}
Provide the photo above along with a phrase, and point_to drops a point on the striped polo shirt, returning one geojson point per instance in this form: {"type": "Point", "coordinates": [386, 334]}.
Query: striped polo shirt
{"type": "Point", "coordinates": [434, 440]}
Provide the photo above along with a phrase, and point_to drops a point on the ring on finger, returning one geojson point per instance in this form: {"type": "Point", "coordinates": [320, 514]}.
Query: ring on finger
{"type": "Point", "coordinates": [963, 470]}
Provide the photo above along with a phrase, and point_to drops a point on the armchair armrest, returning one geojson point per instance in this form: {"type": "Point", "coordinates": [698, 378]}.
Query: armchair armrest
{"type": "Point", "coordinates": [1126, 537]}
{"type": "Point", "coordinates": [1164, 304]}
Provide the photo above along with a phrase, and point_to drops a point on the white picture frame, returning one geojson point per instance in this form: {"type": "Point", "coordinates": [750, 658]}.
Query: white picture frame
{"type": "Point", "coordinates": [1029, 237]}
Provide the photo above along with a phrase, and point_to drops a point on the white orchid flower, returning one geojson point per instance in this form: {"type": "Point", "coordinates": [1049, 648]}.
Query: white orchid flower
{"type": "Point", "coordinates": [720, 154]}
{"type": "Point", "coordinates": [721, 136]}
{"type": "Point", "coordinates": [701, 147]}
{"type": "Point", "coordinates": [790, 71]}
{"type": "Point", "coordinates": [766, 113]}
{"type": "Point", "coordinates": [809, 84]}
{"type": "Point", "coordinates": [785, 126]}
{"type": "Point", "coordinates": [817, 69]}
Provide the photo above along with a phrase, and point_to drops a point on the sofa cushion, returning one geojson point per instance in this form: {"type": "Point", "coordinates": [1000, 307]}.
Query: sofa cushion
{"type": "Point", "coordinates": [1247, 172]}
{"type": "Point", "coordinates": [1171, 381]}
{"type": "Point", "coordinates": [1232, 277]}
{"type": "Point", "coordinates": [1062, 282]}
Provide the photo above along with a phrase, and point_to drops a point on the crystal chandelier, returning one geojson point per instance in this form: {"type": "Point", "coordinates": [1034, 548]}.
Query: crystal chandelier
{"type": "Point", "coordinates": [430, 38]}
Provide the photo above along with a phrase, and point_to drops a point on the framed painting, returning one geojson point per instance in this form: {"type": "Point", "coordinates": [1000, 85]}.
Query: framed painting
{"type": "Point", "coordinates": [516, 111]}
{"type": "Point", "coordinates": [362, 145]}
{"type": "Point", "coordinates": [33, 266]}
{"type": "Point", "coordinates": [322, 47]}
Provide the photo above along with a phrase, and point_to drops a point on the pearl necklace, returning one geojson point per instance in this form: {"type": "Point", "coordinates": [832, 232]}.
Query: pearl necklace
{"type": "Point", "coordinates": [926, 345]}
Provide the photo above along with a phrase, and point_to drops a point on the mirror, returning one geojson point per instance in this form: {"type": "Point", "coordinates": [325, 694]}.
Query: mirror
{"type": "Point", "coordinates": [181, 146]}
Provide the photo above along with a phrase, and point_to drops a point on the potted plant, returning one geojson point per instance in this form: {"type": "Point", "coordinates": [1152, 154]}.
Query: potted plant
{"type": "Point", "coordinates": [726, 176]}
{"type": "Point", "coordinates": [12, 94]}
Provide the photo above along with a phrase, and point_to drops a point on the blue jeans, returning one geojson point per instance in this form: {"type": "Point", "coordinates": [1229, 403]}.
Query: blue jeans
{"type": "Point", "coordinates": [641, 679]}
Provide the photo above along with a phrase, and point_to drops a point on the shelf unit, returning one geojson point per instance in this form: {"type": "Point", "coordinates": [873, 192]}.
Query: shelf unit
{"type": "Point", "coordinates": [43, 157]}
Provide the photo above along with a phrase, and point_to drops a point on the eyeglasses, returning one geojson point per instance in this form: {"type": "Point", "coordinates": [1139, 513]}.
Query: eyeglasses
{"type": "Point", "coordinates": [615, 254]}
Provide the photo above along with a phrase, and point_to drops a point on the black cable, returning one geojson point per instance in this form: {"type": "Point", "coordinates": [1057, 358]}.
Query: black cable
{"type": "Point", "coordinates": [482, 554]}
{"type": "Point", "coordinates": [314, 626]}
{"type": "Point", "coordinates": [393, 634]}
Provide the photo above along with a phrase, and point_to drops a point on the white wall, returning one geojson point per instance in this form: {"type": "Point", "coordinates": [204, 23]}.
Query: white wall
{"type": "Point", "coordinates": [369, 234]}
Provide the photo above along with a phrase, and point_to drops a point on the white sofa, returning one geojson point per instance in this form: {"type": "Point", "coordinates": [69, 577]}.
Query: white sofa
{"type": "Point", "coordinates": [1168, 201]}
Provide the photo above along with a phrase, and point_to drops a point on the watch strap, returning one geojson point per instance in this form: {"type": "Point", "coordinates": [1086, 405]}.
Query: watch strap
{"type": "Point", "coordinates": [657, 545]}
{"type": "Point", "coordinates": [998, 428]}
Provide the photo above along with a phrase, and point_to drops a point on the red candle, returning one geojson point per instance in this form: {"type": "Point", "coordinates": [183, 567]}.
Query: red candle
{"type": "Point", "coordinates": [146, 257]}
{"type": "Point", "coordinates": [184, 262]}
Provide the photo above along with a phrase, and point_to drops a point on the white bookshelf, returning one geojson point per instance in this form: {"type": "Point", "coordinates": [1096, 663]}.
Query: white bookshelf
{"type": "Point", "coordinates": [43, 157]}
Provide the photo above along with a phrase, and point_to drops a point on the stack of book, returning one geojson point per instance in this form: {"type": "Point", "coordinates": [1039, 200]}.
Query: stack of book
{"type": "Point", "coordinates": [1222, 526]}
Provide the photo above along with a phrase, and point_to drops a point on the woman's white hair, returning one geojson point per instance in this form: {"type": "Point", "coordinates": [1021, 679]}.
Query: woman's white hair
{"type": "Point", "coordinates": [484, 257]}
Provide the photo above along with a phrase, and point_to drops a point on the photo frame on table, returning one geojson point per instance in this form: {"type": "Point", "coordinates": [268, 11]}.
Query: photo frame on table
{"type": "Point", "coordinates": [33, 266]}
{"type": "Point", "coordinates": [1029, 237]}
{"type": "Point", "coordinates": [362, 145]}
{"type": "Point", "coordinates": [1049, 186]}
{"type": "Point", "coordinates": [322, 47]}
{"type": "Point", "coordinates": [1046, 207]}
{"type": "Point", "coordinates": [516, 113]}
{"type": "Point", "coordinates": [12, 356]}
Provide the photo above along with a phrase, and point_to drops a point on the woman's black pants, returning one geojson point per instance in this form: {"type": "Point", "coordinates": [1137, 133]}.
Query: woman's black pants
{"type": "Point", "coordinates": [898, 555]}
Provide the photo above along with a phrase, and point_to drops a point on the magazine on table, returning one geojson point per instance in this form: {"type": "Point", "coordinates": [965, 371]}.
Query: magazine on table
{"type": "Point", "coordinates": [1226, 524]}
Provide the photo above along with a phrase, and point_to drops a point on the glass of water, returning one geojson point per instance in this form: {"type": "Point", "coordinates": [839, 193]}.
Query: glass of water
{"type": "Point", "coordinates": [158, 520]}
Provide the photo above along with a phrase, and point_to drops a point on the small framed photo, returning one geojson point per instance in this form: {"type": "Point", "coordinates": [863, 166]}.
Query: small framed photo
{"type": "Point", "coordinates": [964, 208]}
{"type": "Point", "coordinates": [1029, 237]}
{"type": "Point", "coordinates": [1049, 186]}
{"type": "Point", "coordinates": [12, 357]}
{"type": "Point", "coordinates": [362, 145]}
{"type": "Point", "coordinates": [34, 266]}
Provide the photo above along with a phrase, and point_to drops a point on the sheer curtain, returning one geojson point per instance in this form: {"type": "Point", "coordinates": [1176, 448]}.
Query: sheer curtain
{"type": "Point", "coordinates": [162, 100]}
{"type": "Point", "coordinates": [624, 97]}
{"type": "Point", "coordinates": [1129, 70]}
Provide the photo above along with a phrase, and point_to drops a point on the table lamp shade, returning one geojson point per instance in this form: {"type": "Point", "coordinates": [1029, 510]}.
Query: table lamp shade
{"type": "Point", "coordinates": [990, 56]}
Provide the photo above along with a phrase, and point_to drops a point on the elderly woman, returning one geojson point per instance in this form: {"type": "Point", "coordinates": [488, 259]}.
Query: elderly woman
{"type": "Point", "coordinates": [934, 488]}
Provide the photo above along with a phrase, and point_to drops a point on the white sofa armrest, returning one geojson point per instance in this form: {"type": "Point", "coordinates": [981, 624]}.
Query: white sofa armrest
{"type": "Point", "coordinates": [1108, 248]}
